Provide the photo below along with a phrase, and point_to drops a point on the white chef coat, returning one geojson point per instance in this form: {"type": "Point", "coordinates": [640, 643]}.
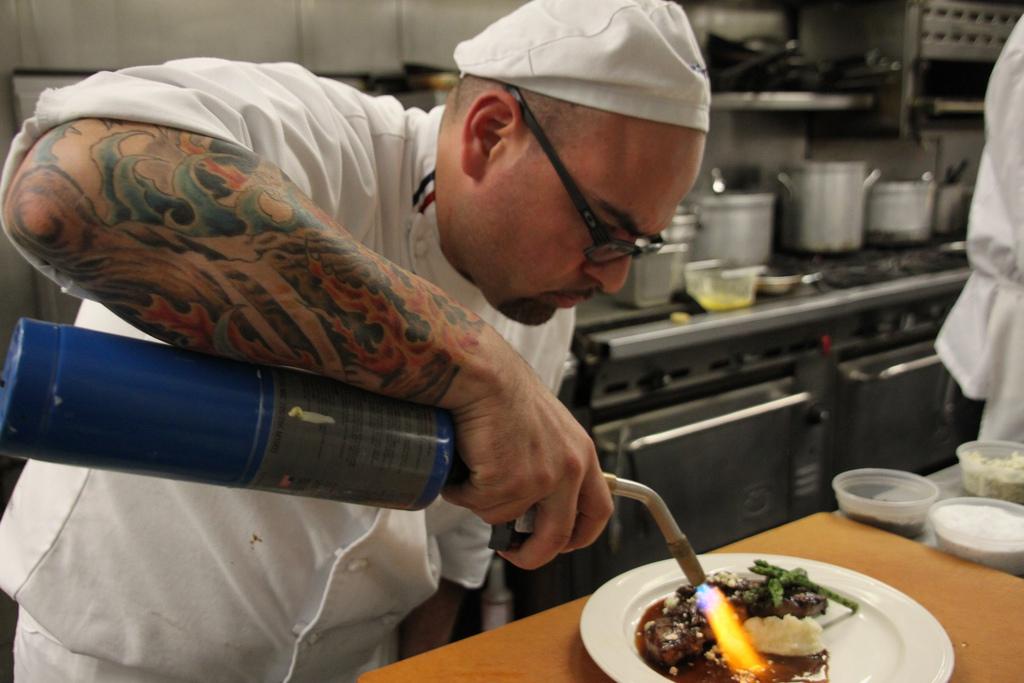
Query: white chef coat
{"type": "Point", "coordinates": [130, 578]}
{"type": "Point", "coordinates": [982, 341]}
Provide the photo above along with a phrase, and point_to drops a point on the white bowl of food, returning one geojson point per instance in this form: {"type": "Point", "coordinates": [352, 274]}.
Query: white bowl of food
{"type": "Point", "coordinates": [994, 469]}
{"type": "Point", "coordinates": [893, 500]}
{"type": "Point", "coordinates": [988, 531]}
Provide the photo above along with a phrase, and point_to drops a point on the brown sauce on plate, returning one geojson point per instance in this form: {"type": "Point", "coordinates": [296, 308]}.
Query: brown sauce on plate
{"type": "Point", "coordinates": [781, 669]}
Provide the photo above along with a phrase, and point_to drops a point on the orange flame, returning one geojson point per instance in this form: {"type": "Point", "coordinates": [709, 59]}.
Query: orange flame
{"type": "Point", "coordinates": [733, 640]}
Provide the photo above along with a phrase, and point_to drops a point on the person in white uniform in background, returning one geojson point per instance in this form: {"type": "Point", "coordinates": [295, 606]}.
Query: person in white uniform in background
{"type": "Point", "coordinates": [259, 212]}
{"type": "Point", "coordinates": [982, 340]}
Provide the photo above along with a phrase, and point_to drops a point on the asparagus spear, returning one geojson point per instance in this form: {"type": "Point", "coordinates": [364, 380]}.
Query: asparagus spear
{"type": "Point", "coordinates": [798, 577]}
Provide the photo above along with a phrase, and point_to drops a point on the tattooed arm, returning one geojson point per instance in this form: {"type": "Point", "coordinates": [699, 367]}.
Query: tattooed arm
{"type": "Point", "coordinates": [202, 244]}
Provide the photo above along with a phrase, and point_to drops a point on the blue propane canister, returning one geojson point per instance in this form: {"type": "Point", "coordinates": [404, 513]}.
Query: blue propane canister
{"type": "Point", "coordinates": [78, 397]}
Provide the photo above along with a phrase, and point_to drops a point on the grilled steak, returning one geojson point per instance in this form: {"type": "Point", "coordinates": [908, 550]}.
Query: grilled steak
{"type": "Point", "coordinates": [680, 632]}
{"type": "Point", "coordinates": [804, 604]}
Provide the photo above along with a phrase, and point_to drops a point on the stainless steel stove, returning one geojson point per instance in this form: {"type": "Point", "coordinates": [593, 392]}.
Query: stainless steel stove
{"type": "Point", "coordinates": [876, 265]}
{"type": "Point", "coordinates": [831, 273]}
{"type": "Point", "coordinates": [740, 419]}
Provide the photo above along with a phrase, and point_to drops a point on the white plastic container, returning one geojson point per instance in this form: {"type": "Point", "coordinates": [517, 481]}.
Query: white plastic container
{"type": "Point", "coordinates": [993, 468]}
{"type": "Point", "coordinates": [893, 500]}
{"type": "Point", "coordinates": [983, 530]}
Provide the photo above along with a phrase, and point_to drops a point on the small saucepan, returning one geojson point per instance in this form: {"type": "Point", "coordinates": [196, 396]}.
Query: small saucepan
{"type": "Point", "coordinates": [777, 281]}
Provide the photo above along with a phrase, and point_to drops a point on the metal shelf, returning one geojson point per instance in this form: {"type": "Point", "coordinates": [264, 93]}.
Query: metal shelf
{"type": "Point", "coordinates": [790, 101]}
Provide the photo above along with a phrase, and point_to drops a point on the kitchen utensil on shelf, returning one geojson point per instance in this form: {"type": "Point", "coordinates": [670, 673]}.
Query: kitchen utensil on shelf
{"type": "Point", "coordinates": [735, 227]}
{"type": "Point", "coordinates": [754, 64]}
{"type": "Point", "coordinates": [952, 204]}
{"type": "Point", "coordinates": [952, 201]}
{"type": "Point", "coordinates": [954, 173]}
{"type": "Point", "coordinates": [776, 281]}
{"type": "Point", "coordinates": [678, 545]}
{"type": "Point", "coordinates": [823, 205]}
{"type": "Point", "coordinates": [864, 72]}
{"type": "Point", "coordinates": [717, 181]}
{"type": "Point", "coordinates": [900, 212]}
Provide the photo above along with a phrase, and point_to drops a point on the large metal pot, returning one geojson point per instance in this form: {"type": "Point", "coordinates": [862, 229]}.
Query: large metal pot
{"type": "Point", "coordinates": [823, 205]}
{"type": "Point", "coordinates": [735, 227]}
{"type": "Point", "coordinates": [900, 212]}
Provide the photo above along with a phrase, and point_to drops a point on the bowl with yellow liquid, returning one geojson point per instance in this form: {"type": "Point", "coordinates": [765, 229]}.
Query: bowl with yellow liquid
{"type": "Point", "coordinates": [722, 288]}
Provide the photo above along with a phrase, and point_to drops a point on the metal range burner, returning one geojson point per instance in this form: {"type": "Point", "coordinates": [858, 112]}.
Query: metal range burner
{"type": "Point", "coordinates": [870, 266]}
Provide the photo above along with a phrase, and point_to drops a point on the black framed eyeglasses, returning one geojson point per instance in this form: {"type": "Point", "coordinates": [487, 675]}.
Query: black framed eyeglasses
{"type": "Point", "coordinates": [605, 248]}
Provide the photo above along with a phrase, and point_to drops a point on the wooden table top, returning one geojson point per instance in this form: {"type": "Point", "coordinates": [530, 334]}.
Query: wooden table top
{"type": "Point", "coordinates": [980, 608]}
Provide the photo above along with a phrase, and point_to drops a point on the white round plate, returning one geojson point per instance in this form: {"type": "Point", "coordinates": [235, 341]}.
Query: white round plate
{"type": "Point", "coordinates": [890, 639]}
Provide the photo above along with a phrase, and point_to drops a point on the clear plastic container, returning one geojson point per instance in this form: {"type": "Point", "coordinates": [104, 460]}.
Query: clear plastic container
{"type": "Point", "coordinates": [718, 288]}
{"type": "Point", "coordinates": [993, 468]}
{"type": "Point", "coordinates": [983, 530]}
{"type": "Point", "coordinates": [893, 500]}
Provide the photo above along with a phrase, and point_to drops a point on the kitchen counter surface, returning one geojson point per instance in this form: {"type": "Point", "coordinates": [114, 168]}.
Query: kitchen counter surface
{"type": "Point", "coordinates": [978, 607]}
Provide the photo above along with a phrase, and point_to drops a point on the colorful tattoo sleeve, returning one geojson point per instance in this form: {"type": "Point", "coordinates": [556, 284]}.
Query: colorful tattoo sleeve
{"type": "Point", "coordinates": [202, 244]}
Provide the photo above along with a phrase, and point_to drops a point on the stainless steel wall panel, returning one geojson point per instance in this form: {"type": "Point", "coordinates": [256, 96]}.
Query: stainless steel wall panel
{"type": "Point", "coordinates": [99, 34]}
{"type": "Point", "coordinates": [898, 159]}
{"type": "Point", "coordinates": [751, 147]}
{"type": "Point", "coordinates": [28, 87]}
{"type": "Point", "coordinates": [17, 299]}
{"type": "Point", "coordinates": [430, 29]}
{"type": "Point", "coordinates": [737, 21]}
{"type": "Point", "coordinates": [17, 289]}
{"type": "Point", "coordinates": [9, 58]}
{"type": "Point", "coordinates": [351, 36]}
{"type": "Point", "coordinates": [836, 30]}
{"type": "Point", "coordinates": [935, 151]}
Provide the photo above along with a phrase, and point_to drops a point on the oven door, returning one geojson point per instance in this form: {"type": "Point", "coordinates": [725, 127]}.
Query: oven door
{"type": "Point", "coordinates": [894, 410]}
{"type": "Point", "coordinates": [727, 466]}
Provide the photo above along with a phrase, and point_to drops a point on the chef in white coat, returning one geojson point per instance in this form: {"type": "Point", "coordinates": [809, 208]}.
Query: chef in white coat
{"type": "Point", "coordinates": [260, 212]}
{"type": "Point", "coordinates": [982, 341]}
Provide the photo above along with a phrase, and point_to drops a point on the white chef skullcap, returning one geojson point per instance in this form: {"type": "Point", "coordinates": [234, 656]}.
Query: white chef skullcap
{"type": "Point", "coordinates": [633, 57]}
